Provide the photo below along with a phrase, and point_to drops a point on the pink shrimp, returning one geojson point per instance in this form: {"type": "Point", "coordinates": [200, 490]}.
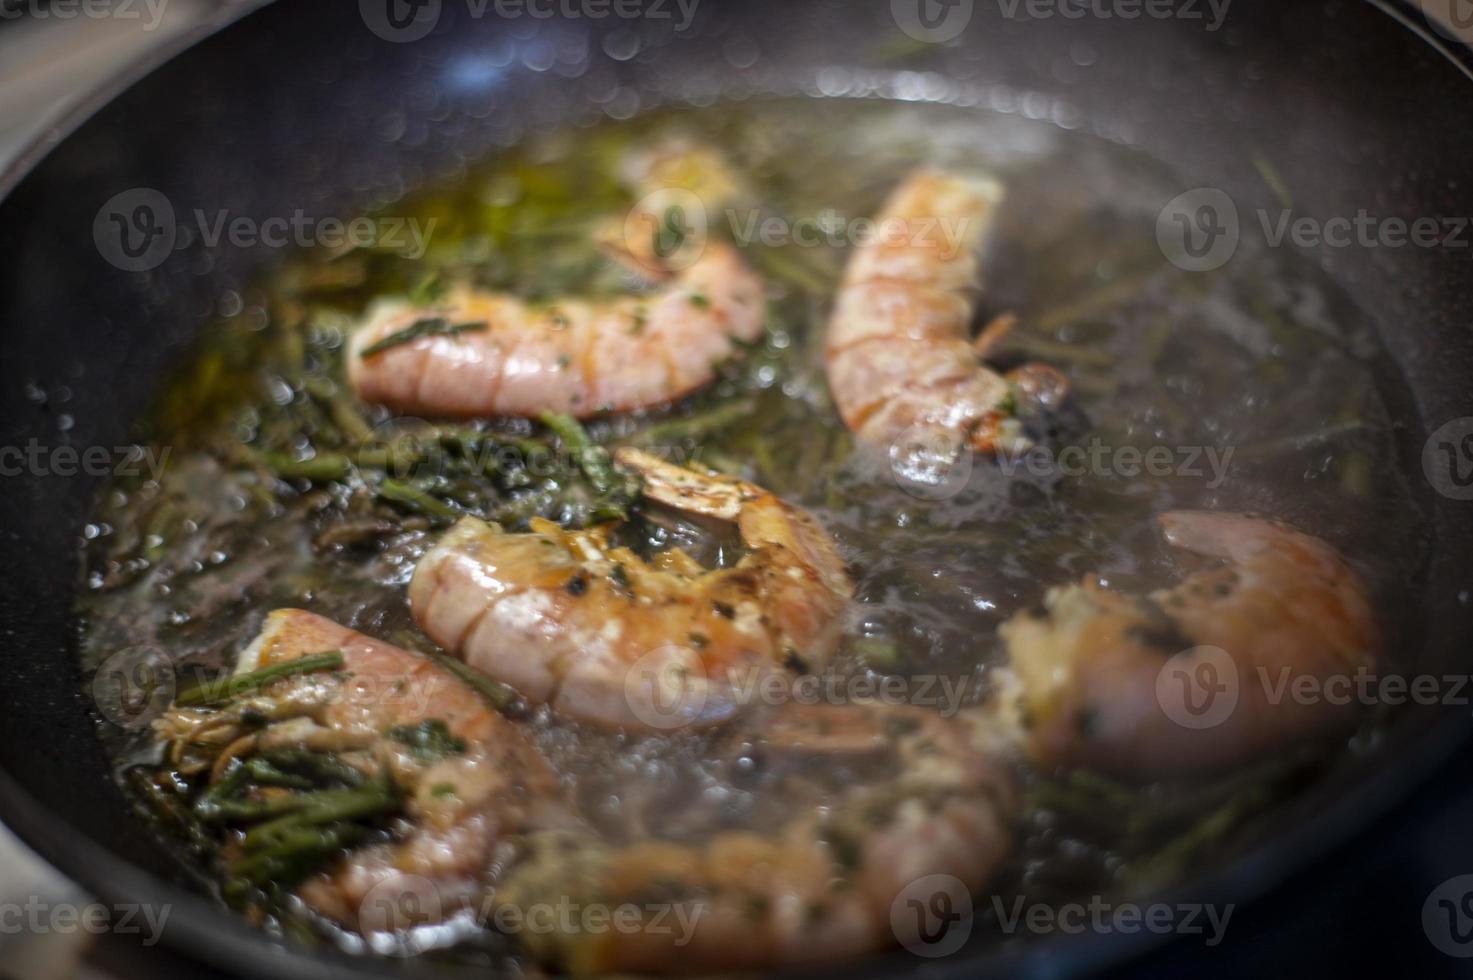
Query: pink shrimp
{"type": "Point", "coordinates": [900, 366]}
{"type": "Point", "coordinates": [1100, 674]}
{"type": "Point", "coordinates": [493, 354]}
{"type": "Point", "coordinates": [567, 619]}
{"type": "Point", "coordinates": [459, 806]}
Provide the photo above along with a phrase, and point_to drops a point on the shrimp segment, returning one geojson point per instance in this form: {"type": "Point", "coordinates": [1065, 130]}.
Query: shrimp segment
{"type": "Point", "coordinates": [459, 806]}
{"type": "Point", "coordinates": [819, 889]}
{"type": "Point", "coordinates": [573, 355]}
{"type": "Point", "coordinates": [898, 356]}
{"type": "Point", "coordinates": [1118, 683]}
{"type": "Point", "coordinates": [606, 637]}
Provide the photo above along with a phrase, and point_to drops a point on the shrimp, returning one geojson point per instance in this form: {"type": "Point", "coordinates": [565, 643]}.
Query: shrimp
{"type": "Point", "coordinates": [1124, 684]}
{"type": "Point", "coordinates": [821, 887]}
{"type": "Point", "coordinates": [486, 353]}
{"type": "Point", "coordinates": [605, 637]}
{"type": "Point", "coordinates": [459, 805]}
{"type": "Point", "coordinates": [480, 353]}
{"type": "Point", "coordinates": [900, 367]}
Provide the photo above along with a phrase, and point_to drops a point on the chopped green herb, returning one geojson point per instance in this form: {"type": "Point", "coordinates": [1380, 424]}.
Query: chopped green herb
{"type": "Point", "coordinates": [429, 741]}
{"type": "Point", "coordinates": [592, 458]}
{"type": "Point", "coordinates": [225, 689]}
{"type": "Point", "coordinates": [434, 326]}
{"type": "Point", "coordinates": [412, 498]}
{"type": "Point", "coordinates": [427, 291]}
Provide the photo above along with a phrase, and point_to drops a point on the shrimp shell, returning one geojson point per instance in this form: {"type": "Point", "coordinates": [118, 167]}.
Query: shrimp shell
{"type": "Point", "coordinates": [572, 355]}
{"type": "Point", "coordinates": [607, 638]}
{"type": "Point", "coordinates": [899, 363]}
{"type": "Point", "coordinates": [1106, 680]}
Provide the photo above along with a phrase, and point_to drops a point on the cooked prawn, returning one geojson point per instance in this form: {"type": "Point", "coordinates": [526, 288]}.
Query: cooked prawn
{"type": "Point", "coordinates": [495, 783]}
{"type": "Point", "coordinates": [821, 888]}
{"type": "Point", "coordinates": [494, 354]}
{"type": "Point", "coordinates": [480, 353]}
{"type": "Point", "coordinates": [1104, 679]}
{"type": "Point", "coordinates": [900, 367]}
{"type": "Point", "coordinates": [603, 636]}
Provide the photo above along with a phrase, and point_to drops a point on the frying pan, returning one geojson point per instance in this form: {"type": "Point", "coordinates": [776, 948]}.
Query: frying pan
{"type": "Point", "coordinates": [300, 106]}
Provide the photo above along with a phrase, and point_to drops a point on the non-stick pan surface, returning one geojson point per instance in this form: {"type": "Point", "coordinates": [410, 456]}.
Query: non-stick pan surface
{"type": "Point", "coordinates": [302, 106]}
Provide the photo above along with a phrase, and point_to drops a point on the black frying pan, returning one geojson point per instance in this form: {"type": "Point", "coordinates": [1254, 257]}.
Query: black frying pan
{"type": "Point", "coordinates": [291, 107]}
